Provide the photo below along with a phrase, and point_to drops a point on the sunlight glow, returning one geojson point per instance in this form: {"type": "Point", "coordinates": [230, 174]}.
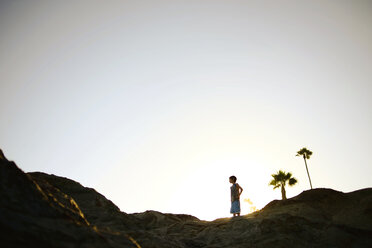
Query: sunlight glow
{"type": "Point", "coordinates": [155, 104]}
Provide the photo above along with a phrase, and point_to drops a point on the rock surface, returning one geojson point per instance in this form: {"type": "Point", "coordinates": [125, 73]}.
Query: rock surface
{"type": "Point", "coordinates": [33, 215]}
{"type": "Point", "coordinates": [37, 209]}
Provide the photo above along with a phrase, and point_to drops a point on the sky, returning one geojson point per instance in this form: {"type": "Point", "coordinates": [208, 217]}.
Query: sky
{"type": "Point", "coordinates": [155, 104]}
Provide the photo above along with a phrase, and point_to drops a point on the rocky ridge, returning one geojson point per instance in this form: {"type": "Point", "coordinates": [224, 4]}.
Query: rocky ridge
{"type": "Point", "coordinates": [51, 211]}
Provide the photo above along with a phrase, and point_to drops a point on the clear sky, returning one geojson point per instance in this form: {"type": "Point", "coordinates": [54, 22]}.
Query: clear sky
{"type": "Point", "coordinates": [156, 103]}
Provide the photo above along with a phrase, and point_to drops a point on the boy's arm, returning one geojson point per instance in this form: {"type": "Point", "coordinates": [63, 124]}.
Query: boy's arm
{"type": "Point", "coordinates": [240, 189]}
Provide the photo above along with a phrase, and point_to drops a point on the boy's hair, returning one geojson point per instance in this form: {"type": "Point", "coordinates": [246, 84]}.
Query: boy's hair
{"type": "Point", "coordinates": [233, 178]}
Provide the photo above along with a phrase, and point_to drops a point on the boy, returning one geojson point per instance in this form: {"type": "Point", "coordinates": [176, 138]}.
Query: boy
{"type": "Point", "coordinates": [236, 191]}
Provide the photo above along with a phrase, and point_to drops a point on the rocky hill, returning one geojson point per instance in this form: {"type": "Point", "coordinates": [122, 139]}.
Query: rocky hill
{"type": "Point", "coordinates": [37, 209]}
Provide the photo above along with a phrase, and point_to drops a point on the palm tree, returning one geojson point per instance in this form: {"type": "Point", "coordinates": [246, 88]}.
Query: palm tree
{"type": "Point", "coordinates": [305, 153]}
{"type": "Point", "coordinates": [280, 180]}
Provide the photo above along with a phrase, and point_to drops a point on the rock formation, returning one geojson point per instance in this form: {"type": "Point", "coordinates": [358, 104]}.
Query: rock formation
{"type": "Point", "coordinates": [37, 209]}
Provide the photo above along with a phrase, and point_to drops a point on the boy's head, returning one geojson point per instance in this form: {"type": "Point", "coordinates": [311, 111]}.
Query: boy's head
{"type": "Point", "coordinates": [232, 179]}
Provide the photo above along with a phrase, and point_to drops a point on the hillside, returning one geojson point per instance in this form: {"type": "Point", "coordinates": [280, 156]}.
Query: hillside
{"type": "Point", "coordinates": [50, 211]}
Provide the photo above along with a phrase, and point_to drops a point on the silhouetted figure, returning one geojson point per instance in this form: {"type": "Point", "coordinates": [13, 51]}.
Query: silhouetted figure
{"type": "Point", "coordinates": [236, 191]}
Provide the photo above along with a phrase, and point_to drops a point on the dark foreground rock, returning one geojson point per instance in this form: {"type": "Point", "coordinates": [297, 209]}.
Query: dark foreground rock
{"type": "Point", "coordinates": [37, 209]}
{"type": "Point", "coordinates": [35, 216]}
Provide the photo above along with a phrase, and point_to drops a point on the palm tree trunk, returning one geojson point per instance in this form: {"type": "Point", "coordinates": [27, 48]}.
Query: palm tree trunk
{"type": "Point", "coordinates": [311, 186]}
{"type": "Point", "coordinates": [284, 197]}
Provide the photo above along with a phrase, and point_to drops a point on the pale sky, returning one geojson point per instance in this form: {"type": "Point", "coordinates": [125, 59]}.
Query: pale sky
{"type": "Point", "coordinates": [156, 103]}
